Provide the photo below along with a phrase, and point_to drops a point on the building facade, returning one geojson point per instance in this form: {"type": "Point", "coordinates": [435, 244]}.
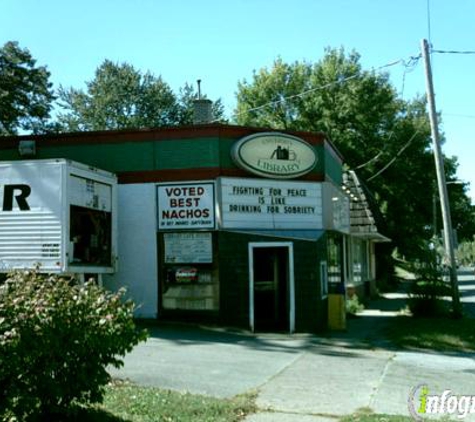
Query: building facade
{"type": "Point", "coordinates": [232, 225]}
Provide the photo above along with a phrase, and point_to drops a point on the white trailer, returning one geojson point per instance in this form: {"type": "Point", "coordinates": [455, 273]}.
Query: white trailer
{"type": "Point", "coordinates": [59, 215]}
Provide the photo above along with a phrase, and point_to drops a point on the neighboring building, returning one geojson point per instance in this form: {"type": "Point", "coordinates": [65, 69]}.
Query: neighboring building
{"type": "Point", "coordinates": [361, 255]}
{"type": "Point", "coordinates": [233, 225]}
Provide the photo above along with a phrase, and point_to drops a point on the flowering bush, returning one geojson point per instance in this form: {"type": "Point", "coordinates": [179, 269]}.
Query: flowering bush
{"type": "Point", "coordinates": [56, 339]}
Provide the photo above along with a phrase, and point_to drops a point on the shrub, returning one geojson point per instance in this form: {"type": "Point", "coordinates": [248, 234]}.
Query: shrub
{"type": "Point", "coordinates": [353, 305]}
{"type": "Point", "coordinates": [425, 297]}
{"type": "Point", "coordinates": [56, 339]}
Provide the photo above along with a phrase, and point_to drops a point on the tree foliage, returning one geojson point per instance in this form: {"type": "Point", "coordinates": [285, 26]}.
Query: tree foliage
{"type": "Point", "coordinates": [463, 212]}
{"type": "Point", "coordinates": [26, 94]}
{"type": "Point", "coordinates": [385, 139]}
{"type": "Point", "coordinates": [466, 253]}
{"type": "Point", "coordinates": [121, 97]}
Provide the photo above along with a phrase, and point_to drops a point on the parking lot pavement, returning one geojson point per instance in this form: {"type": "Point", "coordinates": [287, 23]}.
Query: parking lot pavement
{"type": "Point", "coordinates": [209, 362]}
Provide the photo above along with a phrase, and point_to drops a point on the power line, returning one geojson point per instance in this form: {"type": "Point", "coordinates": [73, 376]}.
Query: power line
{"type": "Point", "coordinates": [291, 97]}
{"type": "Point", "coordinates": [453, 51]}
{"type": "Point", "coordinates": [395, 157]}
{"type": "Point", "coordinates": [464, 116]}
{"type": "Point", "coordinates": [326, 86]}
{"type": "Point", "coordinates": [413, 61]}
{"type": "Point", "coordinates": [375, 158]}
{"type": "Point", "coordinates": [409, 67]}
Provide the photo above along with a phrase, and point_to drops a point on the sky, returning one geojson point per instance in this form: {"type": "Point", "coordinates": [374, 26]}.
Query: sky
{"type": "Point", "coordinates": [222, 42]}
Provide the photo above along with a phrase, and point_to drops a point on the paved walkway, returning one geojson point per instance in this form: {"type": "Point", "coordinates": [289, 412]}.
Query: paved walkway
{"type": "Point", "coordinates": [302, 377]}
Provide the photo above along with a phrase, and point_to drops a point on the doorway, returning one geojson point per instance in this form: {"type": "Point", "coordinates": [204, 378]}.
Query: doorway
{"type": "Point", "coordinates": [271, 287]}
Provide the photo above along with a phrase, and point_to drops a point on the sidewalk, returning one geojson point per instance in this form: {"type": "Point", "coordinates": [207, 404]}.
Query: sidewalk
{"type": "Point", "coordinates": [339, 374]}
{"type": "Point", "coordinates": [359, 369]}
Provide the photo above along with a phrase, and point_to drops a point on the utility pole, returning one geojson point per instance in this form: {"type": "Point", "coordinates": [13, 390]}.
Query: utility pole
{"type": "Point", "coordinates": [442, 184]}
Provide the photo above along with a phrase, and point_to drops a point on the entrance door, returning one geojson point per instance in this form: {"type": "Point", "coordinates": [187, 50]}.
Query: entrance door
{"type": "Point", "coordinates": [271, 287]}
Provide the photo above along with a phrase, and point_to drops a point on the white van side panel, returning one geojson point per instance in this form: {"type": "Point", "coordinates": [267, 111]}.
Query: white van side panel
{"type": "Point", "coordinates": [31, 226]}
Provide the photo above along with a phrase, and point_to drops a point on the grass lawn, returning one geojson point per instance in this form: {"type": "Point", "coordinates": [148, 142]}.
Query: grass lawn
{"type": "Point", "coordinates": [126, 402]}
{"type": "Point", "coordinates": [437, 334]}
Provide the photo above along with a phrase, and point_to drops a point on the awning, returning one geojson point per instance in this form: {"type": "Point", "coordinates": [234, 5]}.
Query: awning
{"type": "Point", "coordinates": [308, 235]}
{"type": "Point", "coordinates": [362, 213]}
{"type": "Point", "coordinates": [373, 236]}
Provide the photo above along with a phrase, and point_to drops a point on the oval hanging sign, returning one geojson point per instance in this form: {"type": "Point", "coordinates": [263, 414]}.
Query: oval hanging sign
{"type": "Point", "coordinates": [274, 155]}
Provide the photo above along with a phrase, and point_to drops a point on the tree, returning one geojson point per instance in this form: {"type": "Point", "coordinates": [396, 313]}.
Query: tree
{"type": "Point", "coordinates": [120, 97]}
{"type": "Point", "coordinates": [26, 94]}
{"type": "Point", "coordinates": [462, 210]}
{"type": "Point", "coordinates": [466, 253]}
{"type": "Point", "coordinates": [385, 139]}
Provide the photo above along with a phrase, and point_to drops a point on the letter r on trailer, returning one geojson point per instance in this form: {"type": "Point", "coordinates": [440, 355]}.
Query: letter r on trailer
{"type": "Point", "coordinates": [9, 194]}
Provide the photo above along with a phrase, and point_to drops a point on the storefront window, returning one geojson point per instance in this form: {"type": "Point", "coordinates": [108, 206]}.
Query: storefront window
{"type": "Point", "coordinates": [323, 279]}
{"type": "Point", "coordinates": [334, 247]}
{"type": "Point", "coordinates": [190, 277]}
{"type": "Point", "coordinates": [359, 261]}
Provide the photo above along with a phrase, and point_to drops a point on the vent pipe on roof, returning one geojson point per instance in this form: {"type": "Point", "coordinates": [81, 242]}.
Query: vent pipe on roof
{"type": "Point", "coordinates": [202, 108]}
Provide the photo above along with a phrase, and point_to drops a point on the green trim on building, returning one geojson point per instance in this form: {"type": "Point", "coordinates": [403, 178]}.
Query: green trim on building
{"type": "Point", "coordinates": [183, 154]}
{"type": "Point", "coordinates": [333, 167]}
{"type": "Point", "coordinates": [149, 154]}
{"type": "Point", "coordinates": [112, 157]}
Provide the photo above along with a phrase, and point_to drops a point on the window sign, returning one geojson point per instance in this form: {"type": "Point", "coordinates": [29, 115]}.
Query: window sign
{"type": "Point", "coordinates": [323, 279]}
{"type": "Point", "coordinates": [266, 204]}
{"type": "Point", "coordinates": [188, 248]}
{"type": "Point", "coordinates": [186, 206]}
{"type": "Point", "coordinates": [335, 259]}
